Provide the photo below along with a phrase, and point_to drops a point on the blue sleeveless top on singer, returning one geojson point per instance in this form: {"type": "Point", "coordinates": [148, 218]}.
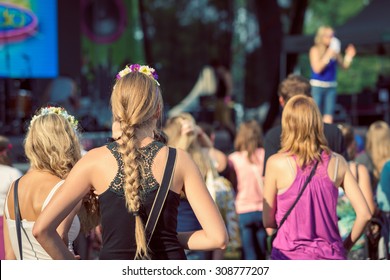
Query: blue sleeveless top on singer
{"type": "Point", "coordinates": [328, 74]}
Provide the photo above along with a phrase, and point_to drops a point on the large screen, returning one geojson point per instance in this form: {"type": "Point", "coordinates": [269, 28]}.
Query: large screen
{"type": "Point", "coordinates": [28, 39]}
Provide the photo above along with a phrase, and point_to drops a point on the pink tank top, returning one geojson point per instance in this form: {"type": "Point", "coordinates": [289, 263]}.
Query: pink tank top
{"type": "Point", "coordinates": [310, 232]}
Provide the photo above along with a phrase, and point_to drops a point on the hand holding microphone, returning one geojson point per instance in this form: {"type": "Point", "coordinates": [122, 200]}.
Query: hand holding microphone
{"type": "Point", "coordinates": [335, 45]}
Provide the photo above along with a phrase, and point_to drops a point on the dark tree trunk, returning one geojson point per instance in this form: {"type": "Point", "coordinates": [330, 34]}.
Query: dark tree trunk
{"type": "Point", "coordinates": [297, 20]}
{"type": "Point", "coordinates": [268, 14]}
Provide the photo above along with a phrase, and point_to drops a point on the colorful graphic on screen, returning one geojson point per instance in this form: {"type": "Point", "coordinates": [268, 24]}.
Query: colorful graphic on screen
{"type": "Point", "coordinates": [28, 39]}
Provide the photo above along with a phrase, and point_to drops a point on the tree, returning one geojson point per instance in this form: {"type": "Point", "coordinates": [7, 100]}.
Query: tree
{"type": "Point", "coordinates": [268, 14]}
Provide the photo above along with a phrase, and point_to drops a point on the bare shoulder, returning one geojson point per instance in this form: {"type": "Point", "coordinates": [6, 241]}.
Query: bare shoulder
{"type": "Point", "coordinates": [277, 160]}
{"type": "Point", "coordinates": [96, 153]}
{"type": "Point", "coordinates": [183, 157]}
{"type": "Point", "coordinates": [95, 157]}
{"type": "Point", "coordinates": [184, 162]}
{"type": "Point", "coordinates": [277, 163]}
{"type": "Point", "coordinates": [340, 158]}
{"type": "Point", "coordinates": [343, 165]}
{"type": "Point", "coordinates": [362, 169]}
{"type": "Point", "coordinates": [313, 50]}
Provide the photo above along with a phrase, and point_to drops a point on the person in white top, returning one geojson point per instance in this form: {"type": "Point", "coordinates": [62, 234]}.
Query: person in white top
{"type": "Point", "coordinates": [52, 148]}
{"type": "Point", "coordinates": [8, 174]}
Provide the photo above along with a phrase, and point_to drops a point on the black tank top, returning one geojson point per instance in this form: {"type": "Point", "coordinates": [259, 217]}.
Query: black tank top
{"type": "Point", "coordinates": [118, 223]}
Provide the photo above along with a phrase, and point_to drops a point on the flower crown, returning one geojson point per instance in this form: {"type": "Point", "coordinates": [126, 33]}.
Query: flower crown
{"type": "Point", "coordinates": [59, 111]}
{"type": "Point", "coordinates": [148, 71]}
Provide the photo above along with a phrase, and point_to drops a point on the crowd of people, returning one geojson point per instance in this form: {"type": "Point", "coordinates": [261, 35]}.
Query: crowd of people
{"type": "Point", "coordinates": [165, 191]}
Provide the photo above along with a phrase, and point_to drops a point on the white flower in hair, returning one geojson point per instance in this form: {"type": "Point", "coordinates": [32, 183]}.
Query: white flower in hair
{"type": "Point", "coordinates": [59, 111]}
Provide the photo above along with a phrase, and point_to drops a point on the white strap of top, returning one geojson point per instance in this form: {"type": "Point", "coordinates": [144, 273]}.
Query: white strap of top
{"type": "Point", "coordinates": [336, 168]}
{"type": "Point", "coordinates": [50, 195]}
{"type": "Point", "coordinates": [52, 192]}
{"type": "Point", "coordinates": [291, 167]}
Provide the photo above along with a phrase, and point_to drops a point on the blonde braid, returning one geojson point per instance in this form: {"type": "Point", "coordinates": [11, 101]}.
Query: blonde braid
{"type": "Point", "coordinates": [131, 160]}
{"type": "Point", "coordinates": [136, 101]}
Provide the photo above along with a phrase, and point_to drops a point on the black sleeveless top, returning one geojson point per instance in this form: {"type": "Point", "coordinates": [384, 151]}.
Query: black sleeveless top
{"type": "Point", "coordinates": [118, 223]}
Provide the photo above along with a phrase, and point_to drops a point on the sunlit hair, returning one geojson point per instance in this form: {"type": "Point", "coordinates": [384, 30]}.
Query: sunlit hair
{"type": "Point", "coordinates": [52, 144]}
{"type": "Point", "coordinates": [378, 145]}
{"type": "Point", "coordinates": [321, 31]}
{"type": "Point", "coordinates": [188, 142]}
{"type": "Point", "coordinates": [303, 130]}
{"type": "Point", "coordinates": [349, 139]}
{"type": "Point", "coordinates": [136, 103]}
{"type": "Point", "coordinates": [249, 137]}
{"type": "Point", "coordinates": [294, 85]}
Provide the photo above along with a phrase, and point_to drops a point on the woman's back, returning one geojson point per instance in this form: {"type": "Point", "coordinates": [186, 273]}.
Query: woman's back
{"type": "Point", "coordinates": [118, 223]}
{"type": "Point", "coordinates": [249, 180]}
{"type": "Point", "coordinates": [35, 190]}
{"type": "Point", "coordinates": [310, 231]}
{"type": "Point", "coordinates": [136, 104]}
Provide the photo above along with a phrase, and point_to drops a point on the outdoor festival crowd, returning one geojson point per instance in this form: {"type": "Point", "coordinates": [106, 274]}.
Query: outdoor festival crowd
{"type": "Point", "coordinates": [307, 190]}
{"type": "Point", "coordinates": [160, 188]}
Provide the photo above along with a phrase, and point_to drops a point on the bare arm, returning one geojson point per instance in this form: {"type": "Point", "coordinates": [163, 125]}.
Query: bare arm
{"type": "Point", "coordinates": [270, 192]}
{"type": "Point", "coordinates": [365, 187]}
{"type": "Point", "coordinates": [61, 205]}
{"type": "Point", "coordinates": [317, 61]}
{"type": "Point", "coordinates": [213, 234]}
{"type": "Point", "coordinates": [65, 225]}
{"type": "Point", "coordinates": [350, 53]}
{"type": "Point", "coordinates": [358, 203]}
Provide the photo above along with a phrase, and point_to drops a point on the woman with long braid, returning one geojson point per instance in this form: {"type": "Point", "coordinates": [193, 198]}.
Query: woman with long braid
{"type": "Point", "coordinates": [126, 174]}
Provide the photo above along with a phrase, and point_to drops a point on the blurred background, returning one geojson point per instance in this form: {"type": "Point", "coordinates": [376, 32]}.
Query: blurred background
{"type": "Point", "coordinates": [69, 51]}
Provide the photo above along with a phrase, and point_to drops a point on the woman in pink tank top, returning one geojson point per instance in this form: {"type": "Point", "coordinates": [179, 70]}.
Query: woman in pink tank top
{"type": "Point", "coordinates": [310, 231]}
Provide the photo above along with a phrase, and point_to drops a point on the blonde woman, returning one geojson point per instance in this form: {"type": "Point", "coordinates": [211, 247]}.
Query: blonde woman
{"type": "Point", "coordinates": [183, 133]}
{"type": "Point", "coordinates": [126, 174]}
{"type": "Point", "coordinates": [248, 163]}
{"type": "Point", "coordinates": [310, 231]}
{"type": "Point", "coordinates": [345, 211]}
{"type": "Point", "coordinates": [324, 57]}
{"type": "Point", "coordinates": [378, 149]}
{"type": "Point", "coordinates": [52, 148]}
{"type": "Point", "coordinates": [378, 145]}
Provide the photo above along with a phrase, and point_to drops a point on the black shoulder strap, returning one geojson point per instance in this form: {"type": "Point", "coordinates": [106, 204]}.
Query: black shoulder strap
{"type": "Point", "coordinates": [18, 218]}
{"type": "Point", "coordinates": [161, 195]}
{"type": "Point", "coordinates": [357, 172]}
{"type": "Point", "coordinates": [299, 195]}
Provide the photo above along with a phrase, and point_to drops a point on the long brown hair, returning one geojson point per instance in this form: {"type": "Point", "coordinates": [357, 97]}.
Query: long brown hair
{"type": "Point", "coordinates": [136, 102]}
{"type": "Point", "coordinates": [249, 137]}
{"type": "Point", "coordinates": [303, 130]}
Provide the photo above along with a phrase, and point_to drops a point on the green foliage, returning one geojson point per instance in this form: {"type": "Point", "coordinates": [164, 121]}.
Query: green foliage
{"type": "Point", "coordinates": [330, 12]}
